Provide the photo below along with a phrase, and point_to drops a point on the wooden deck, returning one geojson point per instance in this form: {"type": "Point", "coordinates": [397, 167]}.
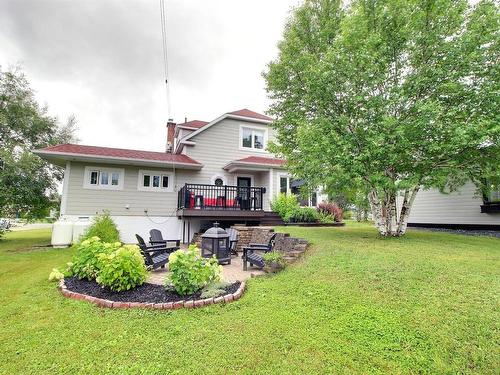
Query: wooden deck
{"type": "Point", "coordinates": [221, 214]}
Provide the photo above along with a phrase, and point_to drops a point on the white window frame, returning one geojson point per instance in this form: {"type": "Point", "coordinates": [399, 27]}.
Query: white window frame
{"type": "Point", "coordinates": [259, 128]}
{"type": "Point", "coordinates": [89, 169]}
{"type": "Point", "coordinates": [159, 189]}
{"type": "Point", "coordinates": [278, 184]}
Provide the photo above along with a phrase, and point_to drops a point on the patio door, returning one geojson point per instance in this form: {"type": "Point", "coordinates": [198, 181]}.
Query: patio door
{"type": "Point", "coordinates": [244, 184]}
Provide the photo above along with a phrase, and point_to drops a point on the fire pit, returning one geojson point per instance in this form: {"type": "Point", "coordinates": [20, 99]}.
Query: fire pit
{"type": "Point", "coordinates": [215, 241]}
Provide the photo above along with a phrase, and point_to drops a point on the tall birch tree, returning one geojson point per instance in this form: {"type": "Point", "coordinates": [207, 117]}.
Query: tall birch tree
{"type": "Point", "coordinates": [401, 95]}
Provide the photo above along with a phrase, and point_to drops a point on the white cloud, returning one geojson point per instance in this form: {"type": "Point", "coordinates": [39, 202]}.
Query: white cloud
{"type": "Point", "coordinates": [102, 61]}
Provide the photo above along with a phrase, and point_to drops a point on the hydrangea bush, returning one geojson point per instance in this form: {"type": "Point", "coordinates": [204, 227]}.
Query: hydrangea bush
{"type": "Point", "coordinates": [189, 272]}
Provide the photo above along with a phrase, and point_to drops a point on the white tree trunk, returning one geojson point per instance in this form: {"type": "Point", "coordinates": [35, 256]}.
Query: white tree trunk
{"type": "Point", "coordinates": [387, 219]}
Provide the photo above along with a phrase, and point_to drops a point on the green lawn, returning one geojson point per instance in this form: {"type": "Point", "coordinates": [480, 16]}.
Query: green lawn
{"type": "Point", "coordinates": [427, 303]}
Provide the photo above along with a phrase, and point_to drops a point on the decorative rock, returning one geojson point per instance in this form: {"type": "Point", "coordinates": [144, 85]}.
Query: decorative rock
{"type": "Point", "coordinates": [105, 303]}
{"type": "Point", "coordinates": [178, 304]}
{"type": "Point", "coordinates": [168, 306]}
{"type": "Point", "coordinates": [208, 301]}
{"type": "Point", "coordinates": [159, 306]}
{"type": "Point", "coordinates": [121, 305]}
{"type": "Point", "coordinates": [218, 299]}
{"type": "Point", "coordinates": [90, 298]}
{"type": "Point", "coordinates": [137, 304]}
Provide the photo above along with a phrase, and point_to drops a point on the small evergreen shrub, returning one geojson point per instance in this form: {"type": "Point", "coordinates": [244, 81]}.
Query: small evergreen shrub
{"type": "Point", "coordinates": [331, 208]}
{"type": "Point", "coordinates": [189, 272]}
{"type": "Point", "coordinates": [122, 269]}
{"type": "Point", "coordinates": [214, 289]}
{"type": "Point", "coordinates": [103, 227]}
{"type": "Point", "coordinates": [86, 262]}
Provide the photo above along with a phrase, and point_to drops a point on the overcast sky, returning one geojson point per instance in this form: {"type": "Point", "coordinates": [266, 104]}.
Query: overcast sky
{"type": "Point", "coordinates": [101, 60]}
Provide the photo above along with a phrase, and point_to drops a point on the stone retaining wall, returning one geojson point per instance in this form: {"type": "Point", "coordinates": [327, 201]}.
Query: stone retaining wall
{"type": "Point", "coordinates": [292, 248]}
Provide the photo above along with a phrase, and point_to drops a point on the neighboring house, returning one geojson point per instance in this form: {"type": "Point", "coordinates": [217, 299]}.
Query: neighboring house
{"type": "Point", "coordinates": [218, 170]}
{"type": "Point", "coordinates": [461, 209]}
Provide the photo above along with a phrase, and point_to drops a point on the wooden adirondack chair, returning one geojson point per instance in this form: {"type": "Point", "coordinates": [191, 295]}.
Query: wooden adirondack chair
{"type": "Point", "coordinates": [250, 256]}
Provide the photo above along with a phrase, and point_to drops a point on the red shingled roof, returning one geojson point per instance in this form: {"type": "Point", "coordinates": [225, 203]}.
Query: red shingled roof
{"type": "Point", "coordinates": [261, 160]}
{"type": "Point", "coordinates": [194, 124]}
{"type": "Point", "coordinates": [119, 153]}
{"type": "Point", "coordinates": [248, 113]}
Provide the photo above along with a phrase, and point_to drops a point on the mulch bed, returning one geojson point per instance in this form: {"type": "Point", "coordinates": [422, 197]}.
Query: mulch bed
{"type": "Point", "coordinates": [147, 293]}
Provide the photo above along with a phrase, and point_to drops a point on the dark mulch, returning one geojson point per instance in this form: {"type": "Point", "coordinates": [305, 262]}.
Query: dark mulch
{"type": "Point", "coordinates": [150, 293]}
{"type": "Point", "coordinates": [467, 232]}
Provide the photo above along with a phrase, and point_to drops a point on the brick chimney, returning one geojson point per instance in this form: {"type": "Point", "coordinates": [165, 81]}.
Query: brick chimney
{"type": "Point", "coordinates": [170, 135]}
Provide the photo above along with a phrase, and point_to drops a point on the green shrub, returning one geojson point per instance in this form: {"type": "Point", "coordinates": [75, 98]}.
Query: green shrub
{"type": "Point", "coordinates": [347, 215]}
{"type": "Point", "coordinates": [302, 215]}
{"type": "Point", "coordinates": [274, 257]}
{"type": "Point", "coordinates": [214, 289]}
{"type": "Point", "coordinates": [122, 269]}
{"type": "Point", "coordinates": [56, 275]}
{"type": "Point", "coordinates": [189, 272]}
{"type": "Point", "coordinates": [284, 205]}
{"type": "Point", "coordinates": [86, 262]}
{"type": "Point", "coordinates": [325, 218]}
{"type": "Point", "coordinates": [103, 227]}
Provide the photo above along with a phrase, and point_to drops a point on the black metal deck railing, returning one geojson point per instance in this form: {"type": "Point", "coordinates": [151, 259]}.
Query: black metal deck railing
{"type": "Point", "coordinates": [225, 197]}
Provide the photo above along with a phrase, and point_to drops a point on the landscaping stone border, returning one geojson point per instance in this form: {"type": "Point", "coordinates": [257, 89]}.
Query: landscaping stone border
{"type": "Point", "coordinates": [157, 306]}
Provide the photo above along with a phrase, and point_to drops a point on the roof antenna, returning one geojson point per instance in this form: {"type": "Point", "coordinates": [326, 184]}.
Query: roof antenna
{"type": "Point", "coordinates": [165, 55]}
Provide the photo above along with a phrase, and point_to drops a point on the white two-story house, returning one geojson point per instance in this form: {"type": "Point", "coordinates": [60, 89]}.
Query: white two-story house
{"type": "Point", "coordinates": [218, 170]}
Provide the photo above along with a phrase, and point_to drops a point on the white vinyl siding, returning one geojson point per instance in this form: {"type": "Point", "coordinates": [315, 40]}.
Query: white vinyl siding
{"type": "Point", "coordinates": [219, 145]}
{"type": "Point", "coordinates": [81, 201]}
{"type": "Point", "coordinates": [461, 207]}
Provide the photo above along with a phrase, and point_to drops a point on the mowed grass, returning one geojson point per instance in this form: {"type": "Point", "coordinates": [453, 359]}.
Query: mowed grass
{"type": "Point", "coordinates": [356, 303]}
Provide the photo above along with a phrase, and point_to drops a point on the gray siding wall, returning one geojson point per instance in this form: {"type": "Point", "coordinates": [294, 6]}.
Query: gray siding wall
{"type": "Point", "coordinates": [218, 145]}
{"type": "Point", "coordinates": [82, 201]}
{"type": "Point", "coordinates": [462, 207]}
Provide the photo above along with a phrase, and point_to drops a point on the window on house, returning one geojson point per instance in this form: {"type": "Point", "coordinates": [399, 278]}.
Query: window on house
{"type": "Point", "coordinates": [283, 185]}
{"type": "Point", "coordinates": [155, 181]}
{"type": "Point", "coordinates": [115, 178]}
{"type": "Point", "coordinates": [94, 177]}
{"type": "Point", "coordinates": [492, 194]}
{"type": "Point", "coordinates": [218, 182]}
{"type": "Point", "coordinates": [103, 178]}
{"type": "Point", "coordinates": [253, 138]}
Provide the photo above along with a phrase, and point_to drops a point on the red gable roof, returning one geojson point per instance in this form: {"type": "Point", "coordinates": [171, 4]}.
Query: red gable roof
{"type": "Point", "coordinates": [194, 124]}
{"type": "Point", "coordinates": [248, 113]}
{"type": "Point", "coordinates": [261, 160]}
{"type": "Point", "coordinates": [118, 153]}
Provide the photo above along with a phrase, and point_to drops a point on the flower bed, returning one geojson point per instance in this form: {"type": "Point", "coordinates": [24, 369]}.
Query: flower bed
{"type": "Point", "coordinates": [145, 296]}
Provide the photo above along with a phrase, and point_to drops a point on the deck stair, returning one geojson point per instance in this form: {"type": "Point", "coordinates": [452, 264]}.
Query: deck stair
{"type": "Point", "coordinates": [271, 219]}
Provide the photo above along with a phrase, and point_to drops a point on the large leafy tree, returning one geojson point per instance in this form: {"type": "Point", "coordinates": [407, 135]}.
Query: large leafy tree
{"type": "Point", "coordinates": [399, 95]}
{"type": "Point", "coordinates": [28, 185]}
